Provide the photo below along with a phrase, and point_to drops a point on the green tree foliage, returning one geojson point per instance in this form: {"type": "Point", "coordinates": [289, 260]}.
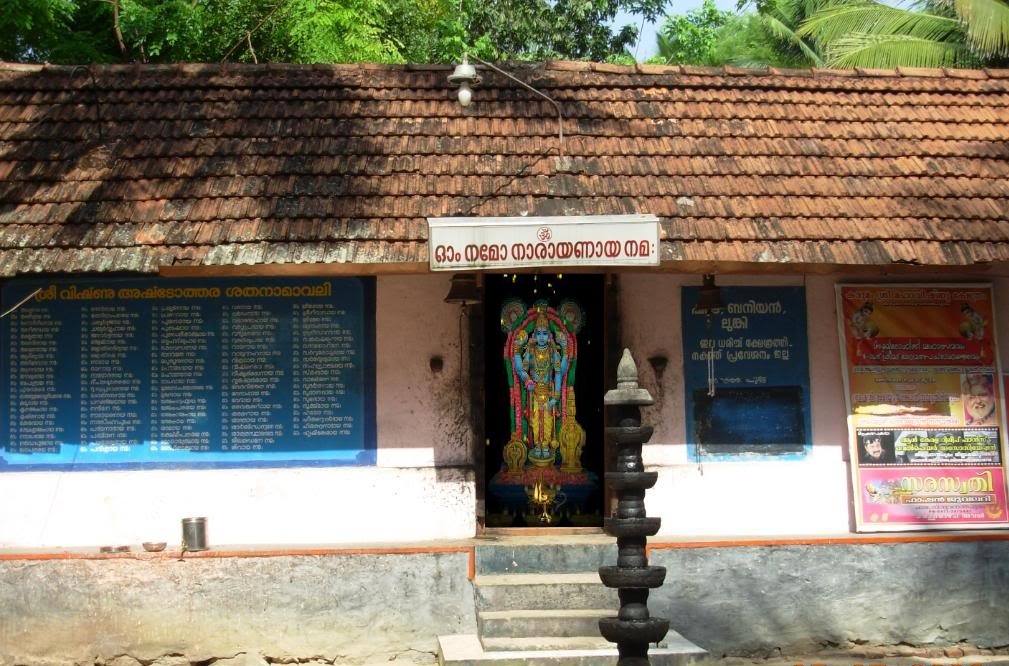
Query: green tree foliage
{"type": "Point", "coordinates": [691, 38]}
{"type": "Point", "coordinates": [159, 29]}
{"type": "Point", "coordinates": [764, 36]}
{"type": "Point", "coordinates": [26, 24]}
{"type": "Point", "coordinates": [776, 34]}
{"type": "Point", "coordinates": [758, 40]}
{"type": "Point", "coordinates": [338, 31]}
{"type": "Point", "coordinates": [55, 30]}
{"type": "Point", "coordinates": [83, 31]}
{"type": "Point", "coordinates": [575, 29]}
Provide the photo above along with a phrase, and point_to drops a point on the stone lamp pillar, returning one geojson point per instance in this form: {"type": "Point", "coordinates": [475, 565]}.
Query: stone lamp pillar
{"type": "Point", "coordinates": [633, 629]}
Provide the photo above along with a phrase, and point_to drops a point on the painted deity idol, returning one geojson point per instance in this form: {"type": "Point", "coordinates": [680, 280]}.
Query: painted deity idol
{"type": "Point", "coordinates": [541, 365]}
{"type": "Point", "coordinates": [540, 353]}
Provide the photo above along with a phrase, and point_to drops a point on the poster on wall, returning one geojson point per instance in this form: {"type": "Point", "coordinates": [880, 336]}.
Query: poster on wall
{"type": "Point", "coordinates": [926, 415]}
{"type": "Point", "coordinates": [746, 374]}
{"type": "Point", "coordinates": [106, 373]}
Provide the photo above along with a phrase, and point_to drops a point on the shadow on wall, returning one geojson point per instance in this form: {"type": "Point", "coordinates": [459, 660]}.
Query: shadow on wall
{"type": "Point", "coordinates": [798, 599]}
{"type": "Point", "coordinates": [189, 165]}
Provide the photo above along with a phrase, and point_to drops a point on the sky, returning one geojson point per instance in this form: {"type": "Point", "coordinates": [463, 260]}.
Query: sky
{"type": "Point", "coordinates": [646, 39]}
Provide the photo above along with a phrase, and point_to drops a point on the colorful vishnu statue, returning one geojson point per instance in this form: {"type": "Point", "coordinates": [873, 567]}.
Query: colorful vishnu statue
{"type": "Point", "coordinates": [541, 365]}
{"type": "Point", "coordinates": [540, 355]}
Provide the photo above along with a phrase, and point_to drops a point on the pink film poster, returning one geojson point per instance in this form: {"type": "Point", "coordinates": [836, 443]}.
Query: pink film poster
{"type": "Point", "coordinates": [926, 407]}
{"type": "Point", "coordinates": [932, 495]}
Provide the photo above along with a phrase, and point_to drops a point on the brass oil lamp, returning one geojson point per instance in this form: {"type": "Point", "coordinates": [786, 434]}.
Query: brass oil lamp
{"type": "Point", "coordinates": [545, 498]}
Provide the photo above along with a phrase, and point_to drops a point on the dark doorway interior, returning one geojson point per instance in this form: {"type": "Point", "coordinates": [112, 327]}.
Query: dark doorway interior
{"type": "Point", "coordinates": [544, 345]}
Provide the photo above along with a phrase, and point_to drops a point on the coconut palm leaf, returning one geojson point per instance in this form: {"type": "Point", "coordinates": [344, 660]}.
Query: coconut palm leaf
{"type": "Point", "coordinates": [888, 51]}
{"type": "Point", "coordinates": [987, 25]}
{"type": "Point", "coordinates": [665, 48]}
{"type": "Point", "coordinates": [777, 28]}
{"type": "Point", "coordinates": [861, 17]}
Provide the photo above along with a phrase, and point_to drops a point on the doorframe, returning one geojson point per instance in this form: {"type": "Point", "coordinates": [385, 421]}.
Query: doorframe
{"type": "Point", "coordinates": [477, 372]}
{"type": "Point", "coordinates": [613, 345]}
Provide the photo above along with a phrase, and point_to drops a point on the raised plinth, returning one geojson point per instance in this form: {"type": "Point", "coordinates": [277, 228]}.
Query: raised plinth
{"type": "Point", "coordinates": [467, 650]}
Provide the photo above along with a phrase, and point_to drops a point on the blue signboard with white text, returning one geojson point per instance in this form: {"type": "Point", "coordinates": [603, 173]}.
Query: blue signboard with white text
{"type": "Point", "coordinates": [106, 373]}
{"type": "Point", "coordinates": [746, 374]}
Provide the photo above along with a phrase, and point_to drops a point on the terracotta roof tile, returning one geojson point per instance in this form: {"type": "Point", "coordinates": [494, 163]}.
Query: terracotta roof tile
{"type": "Point", "coordinates": [240, 164]}
{"type": "Point", "coordinates": [568, 65]}
{"type": "Point", "coordinates": [965, 73]}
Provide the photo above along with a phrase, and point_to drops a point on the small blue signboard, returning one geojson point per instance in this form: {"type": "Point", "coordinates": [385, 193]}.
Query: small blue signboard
{"type": "Point", "coordinates": [103, 373]}
{"type": "Point", "coordinates": [746, 374]}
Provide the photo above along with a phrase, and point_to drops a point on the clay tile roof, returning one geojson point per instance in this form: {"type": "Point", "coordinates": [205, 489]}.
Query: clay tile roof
{"type": "Point", "coordinates": [132, 168]}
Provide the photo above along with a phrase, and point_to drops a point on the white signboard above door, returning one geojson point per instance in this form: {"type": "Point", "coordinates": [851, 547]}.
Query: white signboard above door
{"type": "Point", "coordinates": [467, 243]}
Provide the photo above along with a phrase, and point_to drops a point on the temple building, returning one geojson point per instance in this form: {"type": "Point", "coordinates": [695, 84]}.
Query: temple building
{"type": "Point", "coordinates": [365, 332]}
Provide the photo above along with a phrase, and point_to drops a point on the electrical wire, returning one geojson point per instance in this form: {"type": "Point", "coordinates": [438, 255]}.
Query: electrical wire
{"type": "Point", "coordinates": [637, 44]}
{"type": "Point", "coordinates": [21, 302]}
{"type": "Point", "coordinates": [560, 114]}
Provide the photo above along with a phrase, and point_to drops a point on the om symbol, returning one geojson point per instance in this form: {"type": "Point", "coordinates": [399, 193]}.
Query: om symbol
{"type": "Point", "coordinates": [544, 234]}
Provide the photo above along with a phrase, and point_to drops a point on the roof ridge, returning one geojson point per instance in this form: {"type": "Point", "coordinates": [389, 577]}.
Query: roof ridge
{"type": "Point", "coordinates": [548, 65]}
{"type": "Point", "coordinates": [730, 70]}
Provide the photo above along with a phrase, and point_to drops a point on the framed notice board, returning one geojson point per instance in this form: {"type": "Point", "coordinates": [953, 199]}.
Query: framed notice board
{"type": "Point", "coordinates": [167, 373]}
{"type": "Point", "coordinates": [746, 371]}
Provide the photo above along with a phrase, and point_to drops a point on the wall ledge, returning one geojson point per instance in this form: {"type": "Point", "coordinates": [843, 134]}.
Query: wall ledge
{"type": "Point", "coordinates": [468, 546]}
{"type": "Point", "coordinates": [670, 543]}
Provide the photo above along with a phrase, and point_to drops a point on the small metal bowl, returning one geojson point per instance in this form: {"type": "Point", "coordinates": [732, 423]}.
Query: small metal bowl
{"type": "Point", "coordinates": [154, 546]}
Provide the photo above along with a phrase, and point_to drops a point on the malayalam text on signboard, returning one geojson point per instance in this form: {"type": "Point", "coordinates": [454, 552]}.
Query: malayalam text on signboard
{"type": "Point", "coordinates": [746, 373]}
{"type": "Point", "coordinates": [925, 406]}
{"type": "Point", "coordinates": [466, 243]}
{"type": "Point", "coordinates": [106, 373]}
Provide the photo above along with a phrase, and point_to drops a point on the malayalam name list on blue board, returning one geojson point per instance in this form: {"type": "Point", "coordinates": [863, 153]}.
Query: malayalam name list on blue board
{"type": "Point", "coordinates": [154, 373]}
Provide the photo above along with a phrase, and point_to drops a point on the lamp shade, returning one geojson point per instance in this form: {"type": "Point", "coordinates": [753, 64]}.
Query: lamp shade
{"type": "Point", "coordinates": [464, 73]}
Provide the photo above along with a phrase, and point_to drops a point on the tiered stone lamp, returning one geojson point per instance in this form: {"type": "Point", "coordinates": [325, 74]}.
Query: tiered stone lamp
{"type": "Point", "coordinates": [633, 629]}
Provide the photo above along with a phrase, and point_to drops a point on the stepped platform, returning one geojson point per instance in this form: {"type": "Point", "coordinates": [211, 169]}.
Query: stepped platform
{"type": "Point", "coordinates": [539, 603]}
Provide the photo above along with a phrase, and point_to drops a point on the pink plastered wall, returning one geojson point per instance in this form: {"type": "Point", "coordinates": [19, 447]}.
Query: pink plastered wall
{"type": "Point", "coordinates": [422, 414]}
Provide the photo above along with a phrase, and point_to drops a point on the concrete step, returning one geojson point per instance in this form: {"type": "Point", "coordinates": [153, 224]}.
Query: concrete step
{"type": "Point", "coordinates": [571, 591]}
{"type": "Point", "coordinates": [528, 643]}
{"type": "Point", "coordinates": [521, 623]}
{"type": "Point", "coordinates": [466, 650]}
{"type": "Point", "coordinates": [544, 558]}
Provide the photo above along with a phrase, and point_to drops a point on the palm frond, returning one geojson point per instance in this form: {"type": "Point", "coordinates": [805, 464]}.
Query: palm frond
{"type": "Point", "coordinates": [838, 21]}
{"type": "Point", "coordinates": [803, 9]}
{"type": "Point", "coordinates": [889, 51]}
{"type": "Point", "coordinates": [785, 33]}
{"type": "Point", "coordinates": [664, 47]}
{"type": "Point", "coordinates": [987, 25]}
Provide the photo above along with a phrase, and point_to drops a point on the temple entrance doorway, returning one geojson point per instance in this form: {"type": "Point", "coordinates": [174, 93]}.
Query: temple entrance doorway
{"type": "Point", "coordinates": [545, 358]}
